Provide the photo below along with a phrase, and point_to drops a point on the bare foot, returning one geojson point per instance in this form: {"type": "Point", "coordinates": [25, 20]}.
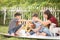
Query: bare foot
{"type": "Point", "coordinates": [27, 34]}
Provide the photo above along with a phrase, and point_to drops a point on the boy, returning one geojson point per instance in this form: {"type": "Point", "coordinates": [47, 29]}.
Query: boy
{"type": "Point", "coordinates": [39, 30]}
{"type": "Point", "coordinates": [14, 24]}
{"type": "Point", "coordinates": [37, 24]}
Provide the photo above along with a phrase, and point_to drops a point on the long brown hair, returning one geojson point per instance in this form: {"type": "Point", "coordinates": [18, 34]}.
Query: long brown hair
{"type": "Point", "coordinates": [48, 13]}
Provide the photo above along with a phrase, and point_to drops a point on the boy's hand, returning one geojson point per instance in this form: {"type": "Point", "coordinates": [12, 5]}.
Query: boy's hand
{"type": "Point", "coordinates": [38, 33]}
{"type": "Point", "coordinates": [35, 30]}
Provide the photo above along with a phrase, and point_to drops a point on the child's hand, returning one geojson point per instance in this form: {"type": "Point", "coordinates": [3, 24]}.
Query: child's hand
{"type": "Point", "coordinates": [37, 33]}
{"type": "Point", "coordinates": [35, 30]}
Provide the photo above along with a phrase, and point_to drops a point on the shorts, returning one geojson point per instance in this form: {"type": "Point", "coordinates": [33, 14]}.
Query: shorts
{"type": "Point", "coordinates": [45, 30]}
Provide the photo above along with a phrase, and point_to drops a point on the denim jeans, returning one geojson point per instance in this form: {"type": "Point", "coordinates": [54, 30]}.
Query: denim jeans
{"type": "Point", "coordinates": [45, 30]}
{"type": "Point", "coordinates": [14, 29]}
{"type": "Point", "coordinates": [32, 32]}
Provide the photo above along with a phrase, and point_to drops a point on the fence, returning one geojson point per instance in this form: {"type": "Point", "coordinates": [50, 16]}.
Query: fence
{"type": "Point", "coordinates": [26, 14]}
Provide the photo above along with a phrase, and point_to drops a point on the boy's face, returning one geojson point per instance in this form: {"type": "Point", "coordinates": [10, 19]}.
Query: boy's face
{"type": "Point", "coordinates": [34, 18]}
{"type": "Point", "coordinates": [18, 17]}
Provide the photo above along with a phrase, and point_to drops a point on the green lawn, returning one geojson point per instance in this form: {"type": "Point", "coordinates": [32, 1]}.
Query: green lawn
{"type": "Point", "coordinates": [4, 29]}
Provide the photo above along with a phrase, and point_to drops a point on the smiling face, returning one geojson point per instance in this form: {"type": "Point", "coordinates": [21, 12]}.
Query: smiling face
{"type": "Point", "coordinates": [18, 17]}
{"type": "Point", "coordinates": [45, 16]}
{"type": "Point", "coordinates": [34, 17]}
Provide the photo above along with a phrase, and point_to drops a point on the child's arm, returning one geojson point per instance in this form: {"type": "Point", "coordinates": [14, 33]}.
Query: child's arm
{"type": "Point", "coordinates": [42, 34]}
{"type": "Point", "coordinates": [37, 29]}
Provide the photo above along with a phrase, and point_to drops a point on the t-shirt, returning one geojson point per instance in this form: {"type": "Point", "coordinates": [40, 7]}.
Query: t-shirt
{"type": "Point", "coordinates": [37, 24]}
{"type": "Point", "coordinates": [54, 20]}
{"type": "Point", "coordinates": [12, 23]}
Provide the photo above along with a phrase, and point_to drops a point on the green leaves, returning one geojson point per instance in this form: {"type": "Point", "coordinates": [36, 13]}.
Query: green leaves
{"type": "Point", "coordinates": [26, 3]}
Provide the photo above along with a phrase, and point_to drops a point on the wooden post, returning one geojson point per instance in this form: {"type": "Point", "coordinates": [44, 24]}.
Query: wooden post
{"type": "Point", "coordinates": [4, 16]}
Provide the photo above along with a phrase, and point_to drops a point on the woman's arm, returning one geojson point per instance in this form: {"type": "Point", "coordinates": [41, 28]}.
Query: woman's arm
{"type": "Point", "coordinates": [45, 23]}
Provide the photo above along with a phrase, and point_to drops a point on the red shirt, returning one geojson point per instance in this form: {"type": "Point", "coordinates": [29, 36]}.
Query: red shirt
{"type": "Point", "coordinates": [54, 20]}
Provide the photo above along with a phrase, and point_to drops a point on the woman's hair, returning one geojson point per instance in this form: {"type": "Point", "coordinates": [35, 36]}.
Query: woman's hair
{"type": "Point", "coordinates": [48, 13]}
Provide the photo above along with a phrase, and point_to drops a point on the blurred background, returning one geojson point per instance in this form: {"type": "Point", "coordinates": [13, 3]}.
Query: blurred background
{"type": "Point", "coordinates": [26, 7]}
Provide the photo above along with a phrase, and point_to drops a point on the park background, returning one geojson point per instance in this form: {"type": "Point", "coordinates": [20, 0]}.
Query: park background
{"type": "Point", "coordinates": [27, 7]}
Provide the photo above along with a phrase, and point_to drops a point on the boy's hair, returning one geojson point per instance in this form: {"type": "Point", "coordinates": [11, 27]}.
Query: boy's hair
{"type": "Point", "coordinates": [17, 14]}
{"type": "Point", "coordinates": [35, 15]}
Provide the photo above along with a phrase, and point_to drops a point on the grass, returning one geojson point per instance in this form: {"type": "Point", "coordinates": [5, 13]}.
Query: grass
{"type": "Point", "coordinates": [4, 29]}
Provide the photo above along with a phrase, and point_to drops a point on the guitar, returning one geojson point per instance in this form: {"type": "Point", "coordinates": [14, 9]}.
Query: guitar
{"type": "Point", "coordinates": [29, 26]}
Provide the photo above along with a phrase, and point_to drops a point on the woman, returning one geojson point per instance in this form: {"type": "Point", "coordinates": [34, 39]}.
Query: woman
{"type": "Point", "coordinates": [50, 19]}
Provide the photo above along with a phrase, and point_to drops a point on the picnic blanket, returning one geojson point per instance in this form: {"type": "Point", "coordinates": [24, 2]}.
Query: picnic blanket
{"type": "Point", "coordinates": [32, 36]}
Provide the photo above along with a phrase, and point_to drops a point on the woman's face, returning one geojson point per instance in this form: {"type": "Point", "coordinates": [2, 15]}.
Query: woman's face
{"type": "Point", "coordinates": [45, 16]}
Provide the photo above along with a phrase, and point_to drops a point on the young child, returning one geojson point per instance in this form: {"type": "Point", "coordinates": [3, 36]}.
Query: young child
{"type": "Point", "coordinates": [14, 24]}
{"type": "Point", "coordinates": [37, 24]}
{"type": "Point", "coordinates": [39, 30]}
